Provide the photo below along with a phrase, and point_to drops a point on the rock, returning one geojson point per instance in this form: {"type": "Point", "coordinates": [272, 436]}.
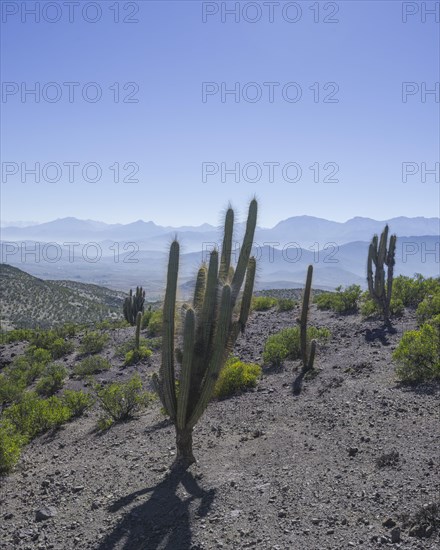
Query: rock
{"type": "Point", "coordinates": [45, 512]}
{"type": "Point", "coordinates": [428, 531]}
{"type": "Point", "coordinates": [9, 515]}
{"type": "Point", "coordinates": [352, 451]}
{"type": "Point", "coordinates": [388, 522]}
{"type": "Point", "coordinates": [417, 531]}
{"type": "Point", "coordinates": [282, 514]}
{"type": "Point", "coordinates": [78, 488]}
{"type": "Point", "coordinates": [395, 534]}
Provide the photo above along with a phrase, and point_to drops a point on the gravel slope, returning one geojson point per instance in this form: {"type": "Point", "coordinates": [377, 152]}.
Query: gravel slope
{"type": "Point", "coordinates": [282, 467]}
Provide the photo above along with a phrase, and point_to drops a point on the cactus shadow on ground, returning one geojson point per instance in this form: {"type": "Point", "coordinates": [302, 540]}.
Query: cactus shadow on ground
{"type": "Point", "coordinates": [297, 383]}
{"type": "Point", "coordinates": [163, 521]}
{"type": "Point", "coordinates": [379, 334]}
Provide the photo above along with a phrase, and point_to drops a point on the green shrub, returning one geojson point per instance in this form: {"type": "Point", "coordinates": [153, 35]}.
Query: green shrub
{"type": "Point", "coordinates": [285, 304]}
{"type": "Point", "coordinates": [135, 356]}
{"type": "Point", "coordinates": [369, 308]}
{"type": "Point", "coordinates": [341, 301]}
{"type": "Point", "coordinates": [52, 379]}
{"type": "Point", "coordinates": [235, 377]}
{"type": "Point", "coordinates": [418, 354]}
{"type": "Point", "coordinates": [263, 303]}
{"type": "Point", "coordinates": [121, 401]}
{"type": "Point", "coordinates": [38, 355]}
{"type": "Point", "coordinates": [93, 342]}
{"type": "Point", "coordinates": [23, 370]}
{"type": "Point", "coordinates": [77, 401]}
{"type": "Point", "coordinates": [411, 291]}
{"type": "Point", "coordinates": [60, 347]}
{"type": "Point", "coordinates": [155, 323]}
{"type": "Point", "coordinates": [10, 390]}
{"type": "Point", "coordinates": [11, 443]}
{"type": "Point", "coordinates": [91, 365]}
{"type": "Point", "coordinates": [16, 335]}
{"type": "Point", "coordinates": [428, 308]}
{"type": "Point", "coordinates": [43, 338]}
{"type": "Point", "coordinates": [286, 343]}
{"type": "Point", "coordinates": [34, 415]}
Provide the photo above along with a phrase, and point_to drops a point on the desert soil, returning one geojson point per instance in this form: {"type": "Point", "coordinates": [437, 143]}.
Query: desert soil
{"type": "Point", "coordinates": [283, 467]}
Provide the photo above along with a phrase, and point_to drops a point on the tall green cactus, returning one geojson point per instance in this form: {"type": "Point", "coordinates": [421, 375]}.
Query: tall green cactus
{"type": "Point", "coordinates": [210, 328]}
{"type": "Point", "coordinates": [307, 355]}
{"type": "Point", "coordinates": [133, 304]}
{"type": "Point", "coordinates": [380, 257]}
{"type": "Point", "coordinates": [137, 336]}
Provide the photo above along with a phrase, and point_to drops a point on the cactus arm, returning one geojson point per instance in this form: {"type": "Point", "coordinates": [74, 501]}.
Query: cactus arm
{"type": "Point", "coordinates": [168, 328]}
{"type": "Point", "coordinates": [225, 261]}
{"type": "Point", "coordinates": [209, 303]}
{"type": "Point", "coordinates": [187, 363]}
{"type": "Point", "coordinates": [245, 251]}
{"type": "Point", "coordinates": [247, 293]}
{"type": "Point", "coordinates": [199, 290]}
{"type": "Point", "coordinates": [220, 350]}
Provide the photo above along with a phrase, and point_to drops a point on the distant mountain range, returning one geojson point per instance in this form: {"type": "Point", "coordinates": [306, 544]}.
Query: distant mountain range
{"type": "Point", "coordinates": [304, 230]}
{"type": "Point", "coordinates": [122, 256]}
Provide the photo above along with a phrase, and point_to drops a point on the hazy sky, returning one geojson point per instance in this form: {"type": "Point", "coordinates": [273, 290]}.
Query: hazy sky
{"type": "Point", "coordinates": [319, 118]}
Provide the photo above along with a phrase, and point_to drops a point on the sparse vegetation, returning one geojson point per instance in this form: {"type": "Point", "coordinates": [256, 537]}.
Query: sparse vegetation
{"type": "Point", "coordinates": [418, 354]}
{"type": "Point", "coordinates": [341, 301]}
{"type": "Point", "coordinates": [286, 344]}
{"type": "Point", "coordinates": [77, 401]}
{"type": "Point", "coordinates": [135, 356]}
{"type": "Point", "coordinates": [11, 443]}
{"type": "Point", "coordinates": [428, 308]}
{"type": "Point", "coordinates": [120, 401]}
{"type": "Point", "coordinates": [286, 304]}
{"type": "Point", "coordinates": [146, 318]}
{"type": "Point", "coordinates": [93, 342]}
{"type": "Point", "coordinates": [263, 303]}
{"type": "Point", "coordinates": [236, 377]}
{"type": "Point", "coordinates": [52, 379]}
{"type": "Point", "coordinates": [60, 347]}
{"type": "Point", "coordinates": [155, 323]}
{"type": "Point", "coordinates": [34, 415]}
{"type": "Point", "coordinates": [92, 365]}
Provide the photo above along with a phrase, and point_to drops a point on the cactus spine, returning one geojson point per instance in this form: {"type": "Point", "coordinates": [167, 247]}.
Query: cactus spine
{"type": "Point", "coordinates": [308, 356]}
{"type": "Point", "coordinates": [210, 328]}
{"type": "Point", "coordinates": [380, 257]}
{"type": "Point", "coordinates": [133, 304]}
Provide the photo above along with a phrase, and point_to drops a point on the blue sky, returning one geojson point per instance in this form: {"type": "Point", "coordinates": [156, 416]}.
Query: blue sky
{"type": "Point", "coordinates": [170, 132]}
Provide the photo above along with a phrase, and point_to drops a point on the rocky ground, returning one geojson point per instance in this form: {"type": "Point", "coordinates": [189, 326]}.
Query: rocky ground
{"type": "Point", "coordinates": [343, 459]}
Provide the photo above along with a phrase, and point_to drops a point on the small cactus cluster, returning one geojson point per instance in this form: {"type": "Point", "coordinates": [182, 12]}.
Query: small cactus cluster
{"type": "Point", "coordinates": [134, 304]}
{"type": "Point", "coordinates": [211, 326]}
{"type": "Point", "coordinates": [307, 352]}
{"type": "Point", "coordinates": [380, 256]}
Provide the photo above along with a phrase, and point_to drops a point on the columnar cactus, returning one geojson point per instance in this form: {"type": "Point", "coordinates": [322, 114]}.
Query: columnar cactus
{"type": "Point", "coordinates": [133, 304]}
{"type": "Point", "coordinates": [138, 330]}
{"type": "Point", "coordinates": [210, 328]}
{"type": "Point", "coordinates": [307, 355]}
{"type": "Point", "coordinates": [380, 257]}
